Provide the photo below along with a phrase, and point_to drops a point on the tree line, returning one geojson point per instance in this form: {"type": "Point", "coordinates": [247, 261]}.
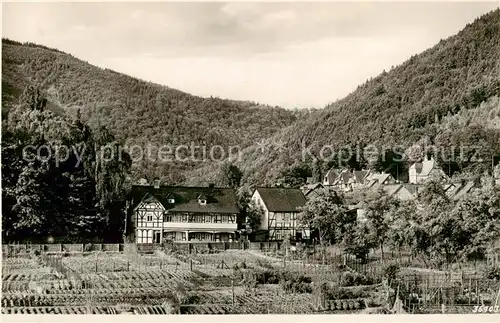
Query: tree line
{"type": "Point", "coordinates": [435, 227]}
{"type": "Point", "coordinates": [61, 187]}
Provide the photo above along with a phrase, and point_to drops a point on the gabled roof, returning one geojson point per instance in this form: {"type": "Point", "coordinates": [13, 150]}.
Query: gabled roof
{"type": "Point", "coordinates": [462, 189]}
{"type": "Point", "coordinates": [306, 189]}
{"type": "Point", "coordinates": [360, 175]}
{"type": "Point", "coordinates": [278, 199]}
{"type": "Point", "coordinates": [414, 189]}
{"type": "Point", "coordinates": [425, 167]}
{"type": "Point", "coordinates": [390, 190]}
{"type": "Point", "coordinates": [379, 178]}
{"type": "Point", "coordinates": [333, 172]}
{"type": "Point", "coordinates": [219, 200]}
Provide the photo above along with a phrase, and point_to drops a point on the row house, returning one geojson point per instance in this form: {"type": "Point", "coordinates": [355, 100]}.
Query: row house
{"type": "Point", "coordinates": [281, 213]}
{"type": "Point", "coordinates": [168, 213]}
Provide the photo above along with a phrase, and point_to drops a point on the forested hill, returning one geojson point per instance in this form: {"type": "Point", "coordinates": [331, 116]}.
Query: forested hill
{"type": "Point", "coordinates": [401, 106]}
{"type": "Point", "coordinates": [135, 111]}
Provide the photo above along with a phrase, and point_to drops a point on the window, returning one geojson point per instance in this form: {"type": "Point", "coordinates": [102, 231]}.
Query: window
{"type": "Point", "coordinates": [171, 200]}
{"type": "Point", "coordinates": [286, 219]}
{"type": "Point", "coordinates": [149, 218]}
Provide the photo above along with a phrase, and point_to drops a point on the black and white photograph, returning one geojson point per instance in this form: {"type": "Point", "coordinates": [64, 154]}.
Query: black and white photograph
{"type": "Point", "coordinates": [250, 158]}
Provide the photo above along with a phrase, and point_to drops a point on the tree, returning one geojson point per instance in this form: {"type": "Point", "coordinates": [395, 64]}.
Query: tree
{"type": "Point", "coordinates": [70, 192]}
{"type": "Point", "coordinates": [358, 240]}
{"type": "Point", "coordinates": [377, 205]}
{"type": "Point", "coordinates": [232, 174]}
{"type": "Point", "coordinates": [295, 176]}
{"type": "Point", "coordinates": [327, 214]}
{"type": "Point", "coordinates": [316, 171]}
{"type": "Point", "coordinates": [478, 222]}
{"type": "Point", "coordinates": [254, 215]}
{"type": "Point", "coordinates": [402, 218]}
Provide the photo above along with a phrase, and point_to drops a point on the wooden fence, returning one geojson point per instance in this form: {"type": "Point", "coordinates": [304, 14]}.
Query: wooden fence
{"type": "Point", "coordinates": [12, 249]}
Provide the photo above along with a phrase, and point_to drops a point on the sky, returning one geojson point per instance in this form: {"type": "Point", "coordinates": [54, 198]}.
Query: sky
{"type": "Point", "coordinates": [291, 54]}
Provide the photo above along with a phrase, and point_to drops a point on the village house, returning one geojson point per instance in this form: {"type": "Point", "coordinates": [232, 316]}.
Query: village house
{"type": "Point", "coordinates": [379, 178]}
{"type": "Point", "coordinates": [420, 173]}
{"type": "Point", "coordinates": [311, 190]}
{"type": "Point", "coordinates": [331, 176]}
{"type": "Point", "coordinates": [397, 191]}
{"type": "Point", "coordinates": [281, 211]}
{"type": "Point", "coordinates": [459, 190]}
{"type": "Point", "coordinates": [162, 213]}
{"type": "Point", "coordinates": [345, 180]}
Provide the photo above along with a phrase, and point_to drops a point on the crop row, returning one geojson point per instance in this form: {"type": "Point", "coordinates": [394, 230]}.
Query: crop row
{"type": "Point", "coordinates": [207, 309]}
{"type": "Point", "coordinates": [131, 297]}
{"type": "Point", "coordinates": [29, 276]}
{"type": "Point", "coordinates": [124, 280]}
{"type": "Point", "coordinates": [59, 310]}
{"type": "Point", "coordinates": [139, 275]}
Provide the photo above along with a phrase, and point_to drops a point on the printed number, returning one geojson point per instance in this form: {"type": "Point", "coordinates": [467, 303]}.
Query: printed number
{"type": "Point", "coordinates": [486, 309]}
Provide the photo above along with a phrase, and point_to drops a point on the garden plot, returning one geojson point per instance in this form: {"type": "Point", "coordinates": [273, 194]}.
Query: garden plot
{"type": "Point", "coordinates": [96, 262]}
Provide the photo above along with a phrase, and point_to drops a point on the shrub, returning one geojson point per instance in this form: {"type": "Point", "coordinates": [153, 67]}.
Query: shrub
{"type": "Point", "coordinates": [268, 277]}
{"type": "Point", "coordinates": [351, 278]}
{"type": "Point", "coordinates": [250, 280]}
{"type": "Point", "coordinates": [293, 283]}
{"type": "Point", "coordinates": [493, 273]}
{"type": "Point", "coordinates": [390, 271]}
{"type": "Point", "coordinates": [264, 264]}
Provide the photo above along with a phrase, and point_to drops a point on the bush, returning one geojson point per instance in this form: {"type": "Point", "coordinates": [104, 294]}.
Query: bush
{"type": "Point", "coordinates": [493, 273]}
{"type": "Point", "coordinates": [294, 283]}
{"type": "Point", "coordinates": [390, 271]}
{"type": "Point", "coordinates": [351, 278]}
{"type": "Point", "coordinates": [264, 264]}
{"type": "Point", "coordinates": [268, 277]}
{"type": "Point", "coordinates": [329, 292]}
{"type": "Point", "coordinates": [250, 280]}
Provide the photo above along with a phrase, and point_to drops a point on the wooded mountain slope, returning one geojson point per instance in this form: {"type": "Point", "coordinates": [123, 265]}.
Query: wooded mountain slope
{"type": "Point", "coordinates": [401, 106]}
{"type": "Point", "coordinates": [135, 111]}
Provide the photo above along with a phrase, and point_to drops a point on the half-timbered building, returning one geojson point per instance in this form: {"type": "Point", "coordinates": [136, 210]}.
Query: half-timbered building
{"type": "Point", "coordinates": [162, 213]}
{"type": "Point", "coordinates": [281, 211]}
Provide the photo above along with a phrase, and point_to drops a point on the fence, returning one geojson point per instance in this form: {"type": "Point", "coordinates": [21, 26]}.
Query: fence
{"type": "Point", "coordinates": [12, 249]}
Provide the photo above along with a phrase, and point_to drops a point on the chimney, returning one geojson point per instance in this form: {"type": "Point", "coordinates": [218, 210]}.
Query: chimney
{"type": "Point", "coordinates": [156, 183]}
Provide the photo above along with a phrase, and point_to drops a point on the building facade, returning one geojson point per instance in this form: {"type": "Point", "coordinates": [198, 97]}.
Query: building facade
{"type": "Point", "coordinates": [281, 213]}
{"type": "Point", "coordinates": [420, 173]}
{"type": "Point", "coordinates": [165, 213]}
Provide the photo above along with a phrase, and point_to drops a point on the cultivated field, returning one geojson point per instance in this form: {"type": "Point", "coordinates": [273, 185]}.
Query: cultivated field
{"type": "Point", "coordinates": [227, 282]}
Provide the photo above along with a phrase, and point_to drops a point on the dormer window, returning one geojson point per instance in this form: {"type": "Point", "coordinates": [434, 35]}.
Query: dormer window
{"type": "Point", "coordinates": [202, 199]}
{"type": "Point", "coordinates": [171, 200]}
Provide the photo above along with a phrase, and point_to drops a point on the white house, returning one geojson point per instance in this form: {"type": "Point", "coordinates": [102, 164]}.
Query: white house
{"type": "Point", "coordinates": [162, 213]}
{"type": "Point", "coordinates": [281, 210]}
{"type": "Point", "coordinates": [427, 169]}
